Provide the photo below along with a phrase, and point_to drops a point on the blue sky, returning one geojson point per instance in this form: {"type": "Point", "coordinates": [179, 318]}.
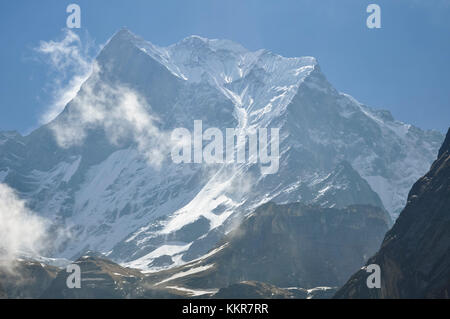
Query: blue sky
{"type": "Point", "coordinates": [403, 67]}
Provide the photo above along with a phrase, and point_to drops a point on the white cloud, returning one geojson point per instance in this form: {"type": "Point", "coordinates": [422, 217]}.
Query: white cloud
{"type": "Point", "coordinates": [120, 111]}
{"type": "Point", "coordinates": [72, 64]}
{"type": "Point", "coordinates": [21, 231]}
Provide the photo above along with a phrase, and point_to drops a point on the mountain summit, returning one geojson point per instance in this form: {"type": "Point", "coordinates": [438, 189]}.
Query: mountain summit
{"type": "Point", "coordinates": [102, 168]}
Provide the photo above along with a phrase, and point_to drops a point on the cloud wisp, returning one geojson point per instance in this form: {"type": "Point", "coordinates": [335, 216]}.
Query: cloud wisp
{"type": "Point", "coordinates": [94, 103]}
{"type": "Point", "coordinates": [21, 231]}
{"type": "Point", "coordinates": [71, 64]}
{"type": "Point", "coordinates": [120, 111]}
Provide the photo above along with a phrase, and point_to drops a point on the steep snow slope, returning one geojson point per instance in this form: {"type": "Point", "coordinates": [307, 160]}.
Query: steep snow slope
{"type": "Point", "coordinates": [101, 183]}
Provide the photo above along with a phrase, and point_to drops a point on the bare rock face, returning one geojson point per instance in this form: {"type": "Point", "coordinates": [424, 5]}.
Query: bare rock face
{"type": "Point", "coordinates": [415, 255]}
{"type": "Point", "coordinates": [260, 290]}
{"type": "Point", "coordinates": [292, 245]}
{"type": "Point", "coordinates": [100, 278]}
{"type": "Point", "coordinates": [3, 294]}
{"type": "Point", "coordinates": [25, 279]}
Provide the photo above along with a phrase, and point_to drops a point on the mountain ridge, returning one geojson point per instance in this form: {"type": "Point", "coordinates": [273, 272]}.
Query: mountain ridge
{"type": "Point", "coordinates": [111, 200]}
{"type": "Point", "coordinates": [414, 257]}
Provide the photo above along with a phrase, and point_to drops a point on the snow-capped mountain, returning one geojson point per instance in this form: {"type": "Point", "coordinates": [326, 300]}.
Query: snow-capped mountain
{"type": "Point", "coordinates": [102, 170]}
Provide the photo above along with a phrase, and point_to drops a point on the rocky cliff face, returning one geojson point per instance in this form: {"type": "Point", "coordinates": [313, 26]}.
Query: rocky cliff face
{"type": "Point", "coordinates": [279, 251]}
{"type": "Point", "coordinates": [100, 278]}
{"type": "Point", "coordinates": [415, 255]}
{"type": "Point", "coordinates": [25, 279]}
{"type": "Point", "coordinates": [288, 245]}
{"type": "Point", "coordinates": [2, 292]}
{"type": "Point", "coordinates": [259, 290]}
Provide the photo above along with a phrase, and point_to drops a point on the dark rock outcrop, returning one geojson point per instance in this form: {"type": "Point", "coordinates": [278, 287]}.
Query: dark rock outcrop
{"type": "Point", "coordinates": [259, 290]}
{"type": "Point", "coordinates": [100, 278]}
{"type": "Point", "coordinates": [415, 255]}
{"type": "Point", "coordinates": [25, 279]}
{"type": "Point", "coordinates": [3, 294]}
{"type": "Point", "coordinates": [290, 245]}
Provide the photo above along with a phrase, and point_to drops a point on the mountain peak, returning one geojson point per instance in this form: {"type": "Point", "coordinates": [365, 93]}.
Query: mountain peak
{"type": "Point", "coordinates": [194, 41]}
{"type": "Point", "coordinates": [194, 38]}
{"type": "Point", "coordinates": [123, 34]}
{"type": "Point", "coordinates": [216, 83]}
